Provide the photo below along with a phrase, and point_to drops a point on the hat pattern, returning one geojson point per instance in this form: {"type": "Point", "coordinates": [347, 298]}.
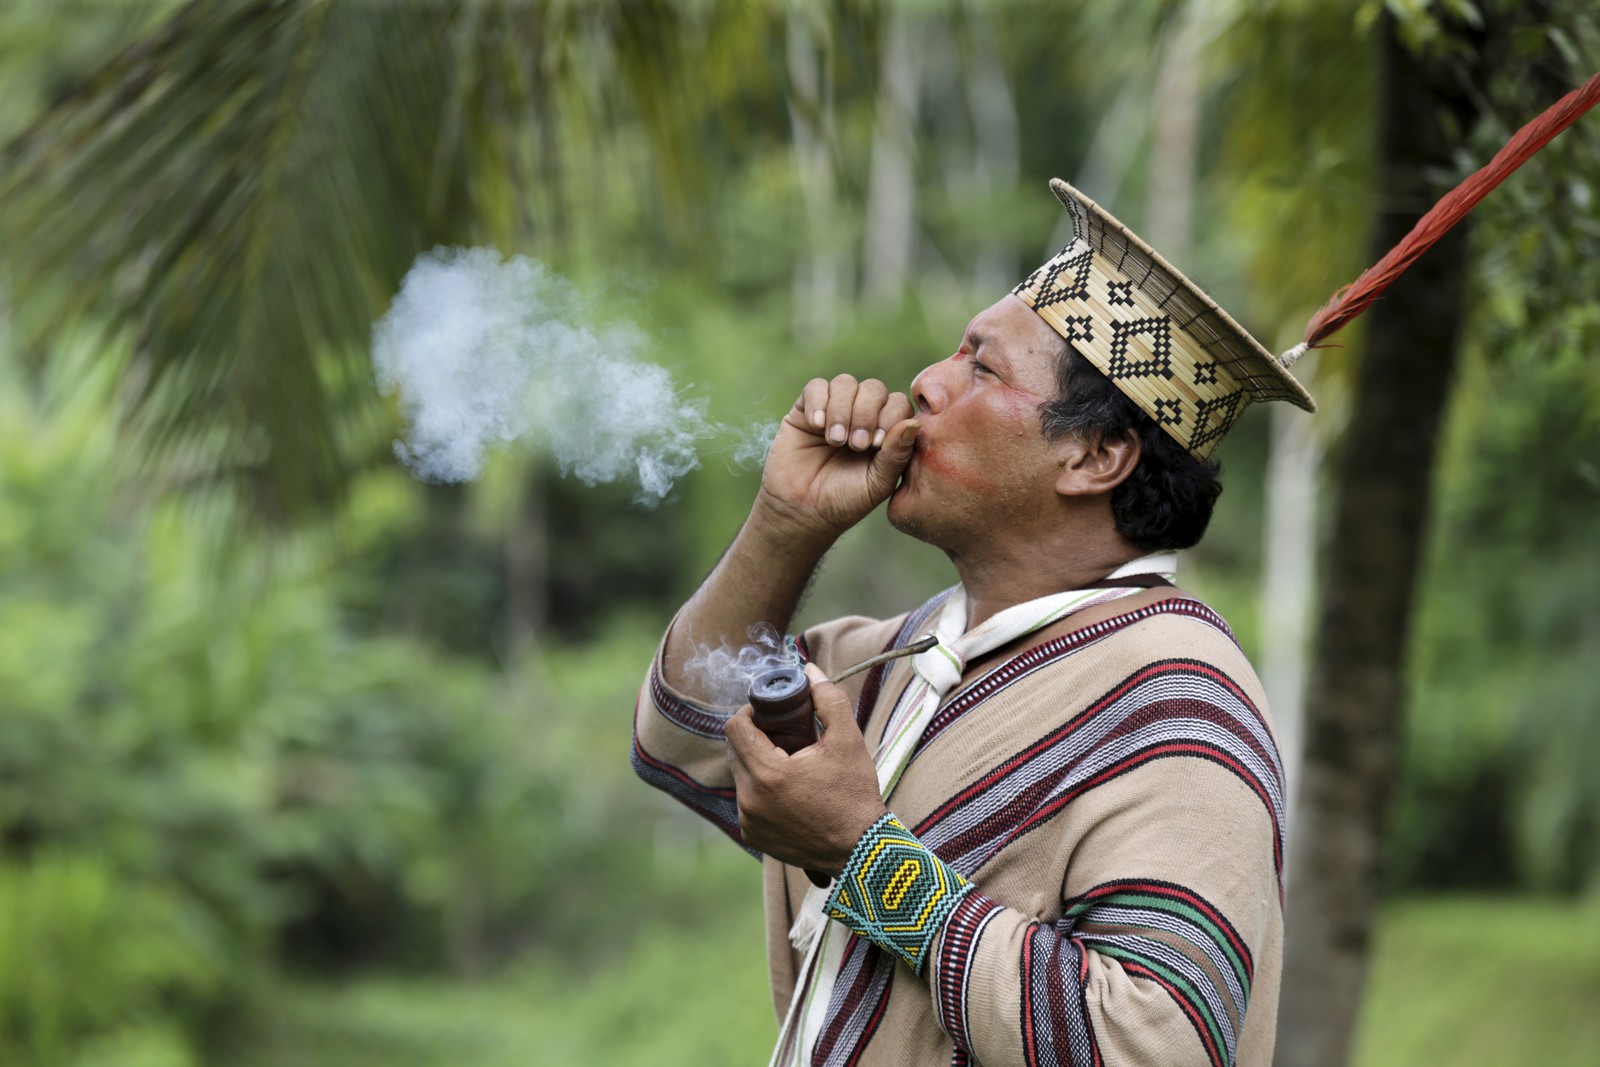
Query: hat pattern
{"type": "Point", "coordinates": [1150, 330]}
{"type": "Point", "coordinates": [1077, 287]}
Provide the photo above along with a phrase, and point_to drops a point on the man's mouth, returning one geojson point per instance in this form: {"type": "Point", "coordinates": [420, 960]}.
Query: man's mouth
{"type": "Point", "coordinates": [918, 448]}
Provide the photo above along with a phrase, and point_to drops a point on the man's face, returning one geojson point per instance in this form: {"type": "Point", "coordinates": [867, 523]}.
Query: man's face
{"type": "Point", "coordinates": [981, 458]}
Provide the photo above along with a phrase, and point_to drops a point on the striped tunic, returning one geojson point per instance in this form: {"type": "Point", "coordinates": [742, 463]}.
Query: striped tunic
{"type": "Point", "coordinates": [1115, 795]}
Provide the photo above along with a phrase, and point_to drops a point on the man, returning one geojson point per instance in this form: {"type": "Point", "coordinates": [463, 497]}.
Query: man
{"type": "Point", "coordinates": [1058, 836]}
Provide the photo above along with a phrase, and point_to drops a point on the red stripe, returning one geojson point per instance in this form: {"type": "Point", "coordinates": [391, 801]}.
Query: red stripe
{"type": "Point", "coordinates": [852, 998]}
{"type": "Point", "coordinates": [872, 1023]}
{"type": "Point", "coordinates": [955, 958]}
{"type": "Point", "coordinates": [1025, 663]}
{"type": "Point", "coordinates": [680, 713]}
{"type": "Point", "coordinates": [1055, 986]}
{"type": "Point", "coordinates": [1030, 1047]}
{"type": "Point", "coordinates": [1140, 758]}
{"type": "Point", "coordinates": [1072, 726]}
{"type": "Point", "coordinates": [999, 773]}
{"type": "Point", "coordinates": [1166, 889]}
{"type": "Point", "coordinates": [726, 794]}
{"type": "Point", "coordinates": [1088, 1024]}
{"type": "Point", "coordinates": [1181, 748]}
{"type": "Point", "coordinates": [1044, 744]}
{"type": "Point", "coordinates": [1033, 793]}
{"type": "Point", "coordinates": [1194, 1016]}
{"type": "Point", "coordinates": [1168, 708]}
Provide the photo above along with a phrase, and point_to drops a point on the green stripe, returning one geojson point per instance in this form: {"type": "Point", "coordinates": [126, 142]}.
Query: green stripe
{"type": "Point", "coordinates": [1190, 993]}
{"type": "Point", "coordinates": [1195, 916]}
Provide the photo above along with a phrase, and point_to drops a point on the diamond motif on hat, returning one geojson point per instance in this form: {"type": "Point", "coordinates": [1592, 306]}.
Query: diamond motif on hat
{"type": "Point", "coordinates": [1228, 406]}
{"type": "Point", "coordinates": [1043, 280]}
{"type": "Point", "coordinates": [1159, 330]}
{"type": "Point", "coordinates": [1205, 372]}
{"type": "Point", "coordinates": [1120, 293]}
{"type": "Point", "coordinates": [1078, 327]}
{"type": "Point", "coordinates": [1169, 412]}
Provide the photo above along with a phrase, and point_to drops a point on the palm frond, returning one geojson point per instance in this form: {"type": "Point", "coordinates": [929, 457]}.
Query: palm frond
{"type": "Point", "coordinates": [242, 188]}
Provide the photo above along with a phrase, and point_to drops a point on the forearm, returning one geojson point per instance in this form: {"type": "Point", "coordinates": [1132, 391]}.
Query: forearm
{"type": "Point", "coordinates": [815, 486]}
{"type": "Point", "coordinates": [760, 579]}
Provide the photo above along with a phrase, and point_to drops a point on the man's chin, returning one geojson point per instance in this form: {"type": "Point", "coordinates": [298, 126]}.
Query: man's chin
{"type": "Point", "coordinates": [902, 513]}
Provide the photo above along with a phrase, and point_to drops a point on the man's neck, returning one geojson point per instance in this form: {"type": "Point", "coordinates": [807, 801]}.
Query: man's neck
{"type": "Point", "coordinates": [997, 580]}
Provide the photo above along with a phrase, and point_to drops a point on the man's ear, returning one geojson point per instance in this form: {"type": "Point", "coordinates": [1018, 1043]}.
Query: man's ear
{"type": "Point", "coordinates": [1096, 465]}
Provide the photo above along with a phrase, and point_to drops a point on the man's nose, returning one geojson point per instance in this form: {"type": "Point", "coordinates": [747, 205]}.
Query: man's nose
{"type": "Point", "coordinates": [929, 389]}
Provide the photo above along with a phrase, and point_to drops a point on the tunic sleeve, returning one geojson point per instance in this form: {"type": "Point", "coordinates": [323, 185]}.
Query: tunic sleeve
{"type": "Point", "coordinates": [1169, 905]}
{"type": "Point", "coordinates": [678, 743]}
{"type": "Point", "coordinates": [679, 748]}
{"type": "Point", "coordinates": [1173, 894]}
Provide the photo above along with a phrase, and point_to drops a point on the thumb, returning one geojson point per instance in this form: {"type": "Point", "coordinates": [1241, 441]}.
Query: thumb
{"type": "Point", "coordinates": [832, 706]}
{"type": "Point", "coordinates": [891, 459]}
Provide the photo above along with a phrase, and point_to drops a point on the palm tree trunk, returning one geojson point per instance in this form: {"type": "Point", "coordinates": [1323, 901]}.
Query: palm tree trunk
{"type": "Point", "coordinates": [1382, 489]}
{"type": "Point", "coordinates": [892, 182]}
{"type": "Point", "coordinates": [819, 275]}
{"type": "Point", "coordinates": [1288, 581]}
{"type": "Point", "coordinates": [1174, 135]}
{"type": "Point", "coordinates": [998, 142]}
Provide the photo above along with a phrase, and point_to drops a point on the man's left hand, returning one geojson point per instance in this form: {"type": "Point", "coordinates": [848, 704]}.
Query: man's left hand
{"type": "Point", "coordinates": [807, 809]}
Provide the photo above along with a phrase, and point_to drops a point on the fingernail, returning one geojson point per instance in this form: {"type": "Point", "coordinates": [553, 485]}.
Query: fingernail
{"type": "Point", "coordinates": [859, 440]}
{"type": "Point", "coordinates": [836, 433]}
{"type": "Point", "coordinates": [817, 416]}
{"type": "Point", "coordinates": [877, 438]}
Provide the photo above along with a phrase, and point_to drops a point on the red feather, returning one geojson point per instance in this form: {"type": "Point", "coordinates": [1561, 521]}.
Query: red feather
{"type": "Point", "coordinates": [1353, 299]}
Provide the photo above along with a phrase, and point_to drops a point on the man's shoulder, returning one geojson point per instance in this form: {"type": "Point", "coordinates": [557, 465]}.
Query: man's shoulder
{"type": "Point", "coordinates": [1180, 621]}
{"type": "Point", "coordinates": [1165, 623]}
{"type": "Point", "coordinates": [1178, 636]}
{"type": "Point", "coordinates": [1179, 645]}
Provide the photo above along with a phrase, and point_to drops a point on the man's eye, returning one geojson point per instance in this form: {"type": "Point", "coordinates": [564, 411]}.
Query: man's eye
{"type": "Point", "coordinates": [976, 366]}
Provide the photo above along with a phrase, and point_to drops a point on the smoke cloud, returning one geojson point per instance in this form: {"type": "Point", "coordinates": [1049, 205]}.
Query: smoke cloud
{"type": "Point", "coordinates": [484, 352]}
{"type": "Point", "coordinates": [724, 674]}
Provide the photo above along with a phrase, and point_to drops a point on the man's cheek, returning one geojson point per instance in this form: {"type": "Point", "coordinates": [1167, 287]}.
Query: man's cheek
{"type": "Point", "coordinates": [958, 470]}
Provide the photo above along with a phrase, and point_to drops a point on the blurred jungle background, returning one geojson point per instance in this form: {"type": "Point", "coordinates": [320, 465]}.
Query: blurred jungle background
{"type": "Point", "coordinates": [304, 761]}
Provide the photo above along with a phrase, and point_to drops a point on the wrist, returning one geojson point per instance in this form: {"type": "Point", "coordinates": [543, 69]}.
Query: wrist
{"type": "Point", "coordinates": [851, 833]}
{"type": "Point", "coordinates": [896, 892]}
{"type": "Point", "coordinates": [783, 527]}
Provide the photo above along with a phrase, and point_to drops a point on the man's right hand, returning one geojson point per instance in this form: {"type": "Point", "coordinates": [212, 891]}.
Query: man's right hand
{"type": "Point", "coordinates": [839, 453]}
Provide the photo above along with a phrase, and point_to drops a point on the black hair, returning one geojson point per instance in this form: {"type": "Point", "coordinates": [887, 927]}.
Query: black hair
{"type": "Point", "coordinates": [1166, 502]}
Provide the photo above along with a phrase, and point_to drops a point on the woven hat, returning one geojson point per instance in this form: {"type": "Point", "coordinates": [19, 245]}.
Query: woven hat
{"type": "Point", "coordinates": [1179, 356]}
{"type": "Point", "coordinates": [1153, 332]}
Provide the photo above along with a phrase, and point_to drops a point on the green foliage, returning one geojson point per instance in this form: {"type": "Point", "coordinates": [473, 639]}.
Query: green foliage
{"type": "Point", "coordinates": [395, 737]}
{"type": "Point", "coordinates": [686, 987]}
{"type": "Point", "coordinates": [106, 941]}
{"type": "Point", "coordinates": [204, 773]}
{"type": "Point", "coordinates": [96, 960]}
{"type": "Point", "coordinates": [1496, 790]}
{"type": "Point", "coordinates": [1480, 980]}
{"type": "Point", "coordinates": [242, 187]}
{"type": "Point", "coordinates": [1503, 710]}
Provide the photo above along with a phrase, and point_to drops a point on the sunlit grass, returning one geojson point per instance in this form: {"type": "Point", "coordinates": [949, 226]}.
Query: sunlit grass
{"type": "Point", "coordinates": [1465, 982]}
{"type": "Point", "coordinates": [1478, 980]}
{"type": "Point", "coordinates": [674, 997]}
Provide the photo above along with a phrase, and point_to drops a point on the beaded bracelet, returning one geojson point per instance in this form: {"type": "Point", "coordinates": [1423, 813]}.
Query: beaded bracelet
{"type": "Point", "coordinates": [895, 892]}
